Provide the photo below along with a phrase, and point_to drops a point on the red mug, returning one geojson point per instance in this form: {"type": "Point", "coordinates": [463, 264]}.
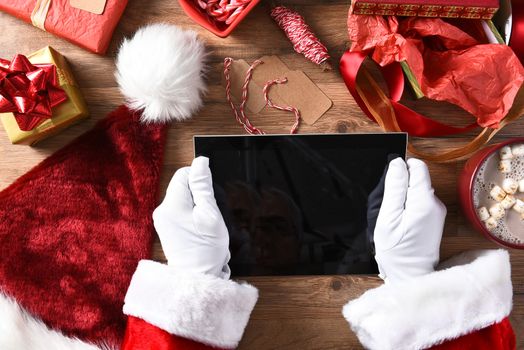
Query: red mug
{"type": "Point", "coordinates": [465, 189]}
{"type": "Point", "coordinates": [220, 29]}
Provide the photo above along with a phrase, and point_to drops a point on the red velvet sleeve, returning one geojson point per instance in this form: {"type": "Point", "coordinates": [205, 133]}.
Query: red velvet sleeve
{"type": "Point", "coordinates": [141, 335]}
{"type": "Point", "coordinates": [499, 336]}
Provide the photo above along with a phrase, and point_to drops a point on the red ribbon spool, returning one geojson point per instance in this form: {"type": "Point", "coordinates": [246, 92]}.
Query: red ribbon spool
{"type": "Point", "coordinates": [410, 121]}
{"type": "Point", "coordinates": [29, 91]}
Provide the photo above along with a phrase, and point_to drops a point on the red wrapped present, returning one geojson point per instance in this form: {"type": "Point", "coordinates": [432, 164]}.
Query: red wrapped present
{"type": "Point", "coordinates": [476, 9]}
{"type": "Point", "coordinates": [86, 23]}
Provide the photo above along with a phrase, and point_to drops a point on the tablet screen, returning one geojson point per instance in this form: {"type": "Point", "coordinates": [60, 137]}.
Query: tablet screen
{"type": "Point", "coordinates": [297, 204]}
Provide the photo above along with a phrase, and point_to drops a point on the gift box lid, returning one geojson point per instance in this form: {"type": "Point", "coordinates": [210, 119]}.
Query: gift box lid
{"type": "Point", "coordinates": [458, 3]}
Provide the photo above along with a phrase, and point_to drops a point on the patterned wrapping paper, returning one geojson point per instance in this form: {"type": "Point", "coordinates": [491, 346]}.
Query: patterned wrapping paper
{"type": "Point", "coordinates": [65, 114]}
{"type": "Point", "coordinates": [83, 28]}
{"type": "Point", "coordinates": [473, 9]}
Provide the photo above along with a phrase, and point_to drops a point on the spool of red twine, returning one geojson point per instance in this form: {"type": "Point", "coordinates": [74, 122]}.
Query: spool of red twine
{"type": "Point", "coordinates": [301, 36]}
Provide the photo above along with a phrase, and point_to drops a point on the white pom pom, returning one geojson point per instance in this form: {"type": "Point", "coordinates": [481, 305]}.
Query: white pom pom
{"type": "Point", "coordinates": [160, 72]}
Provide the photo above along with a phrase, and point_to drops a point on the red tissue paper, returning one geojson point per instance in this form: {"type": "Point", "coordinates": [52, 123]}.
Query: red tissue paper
{"type": "Point", "coordinates": [449, 64]}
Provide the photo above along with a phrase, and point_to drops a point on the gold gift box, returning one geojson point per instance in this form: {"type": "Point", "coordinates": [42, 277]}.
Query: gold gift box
{"type": "Point", "coordinates": [65, 114]}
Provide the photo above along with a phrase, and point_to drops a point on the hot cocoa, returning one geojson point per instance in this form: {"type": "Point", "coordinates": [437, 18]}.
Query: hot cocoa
{"type": "Point", "coordinates": [498, 193]}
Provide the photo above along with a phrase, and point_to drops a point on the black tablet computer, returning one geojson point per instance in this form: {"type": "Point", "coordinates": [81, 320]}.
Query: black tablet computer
{"type": "Point", "coordinates": [297, 204]}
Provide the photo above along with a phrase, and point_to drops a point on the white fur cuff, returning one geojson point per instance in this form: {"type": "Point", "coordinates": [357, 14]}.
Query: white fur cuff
{"type": "Point", "coordinates": [200, 307]}
{"type": "Point", "coordinates": [440, 306]}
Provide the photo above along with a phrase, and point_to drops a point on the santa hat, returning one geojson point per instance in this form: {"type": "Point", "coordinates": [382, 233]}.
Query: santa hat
{"type": "Point", "coordinates": [73, 228]}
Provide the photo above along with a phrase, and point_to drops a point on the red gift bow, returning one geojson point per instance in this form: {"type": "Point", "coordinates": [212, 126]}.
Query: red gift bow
{"type": "Point", "coordinates": [29, 91]}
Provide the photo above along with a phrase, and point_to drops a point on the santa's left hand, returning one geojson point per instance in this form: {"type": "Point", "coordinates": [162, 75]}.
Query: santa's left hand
{"type": "Point", "coordinates": [410, 222]}
{"type": "Point", "coordinates": [192, 231]}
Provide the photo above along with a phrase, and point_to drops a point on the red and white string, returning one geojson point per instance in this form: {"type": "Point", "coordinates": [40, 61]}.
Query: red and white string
{"type": "Point", "coordinates": [269, 103]}
{"type": "Point", "coordinates": [240, 112]}
{"type": "Point", "coordinates": [223, 10]}
{"type": "Point", "coordinates": [300, 34]}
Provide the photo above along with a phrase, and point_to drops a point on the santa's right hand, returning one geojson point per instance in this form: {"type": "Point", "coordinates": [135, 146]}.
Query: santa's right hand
{"type": "Point", "coordinates": [410, 223]}
{"type": "Point", "coordinates": [192, 231]}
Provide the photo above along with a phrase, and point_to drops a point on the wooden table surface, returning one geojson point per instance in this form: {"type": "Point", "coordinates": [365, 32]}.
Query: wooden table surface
{"type": "Point", "coordinates": [292, 313]}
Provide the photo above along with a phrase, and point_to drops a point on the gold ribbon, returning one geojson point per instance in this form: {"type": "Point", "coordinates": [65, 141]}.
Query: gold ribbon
{"type": "Point", "coordinates": [39, 13]}
{"type": "Point", "coordinates": [380, 107]}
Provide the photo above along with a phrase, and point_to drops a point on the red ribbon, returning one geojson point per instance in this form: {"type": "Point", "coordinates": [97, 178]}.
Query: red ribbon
{"type": "Point", "coordinates": [408, 120]}
{"type": "Point", "coordinates": [29, 91]}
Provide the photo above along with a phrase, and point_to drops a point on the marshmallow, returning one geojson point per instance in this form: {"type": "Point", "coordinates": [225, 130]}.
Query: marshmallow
{"type": "Point", "coordinates": [497, 211]}
{"type": "Point", "coordinates": [510, 186]}
{"type": "Point", "coordinates": [505, 166]}
{"type": "Point", "coordinates": [497, 193]}
{"type": "Point", "coordinates": [521, 185]}
{"type": "Point", "coordinates": [519, 206]}
{"type": "Point", "coordinates": [483, 213]}
{"type": "Point", "coordinates": [518, 150]}
{"type": "Point", "coordinates": [508, 202]}
{"type": "Point", "coordinates": [506, 153]}
{"type": "Point", "coordinates": [491, 224]}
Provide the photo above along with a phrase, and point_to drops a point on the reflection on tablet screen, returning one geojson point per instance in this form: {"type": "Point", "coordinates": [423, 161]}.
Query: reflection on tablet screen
{"type": "Point", "coordinates": [297, 204]}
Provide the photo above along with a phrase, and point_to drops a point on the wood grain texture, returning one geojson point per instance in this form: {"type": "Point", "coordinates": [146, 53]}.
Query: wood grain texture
{"type": "Point", "coordinates": [293, 313]}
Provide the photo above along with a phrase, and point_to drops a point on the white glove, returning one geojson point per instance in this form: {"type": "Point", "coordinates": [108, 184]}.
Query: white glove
{"type": "Point", "coordinates": [410, 223]}
{"type": "Point", "coordinates": [192, 231]}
